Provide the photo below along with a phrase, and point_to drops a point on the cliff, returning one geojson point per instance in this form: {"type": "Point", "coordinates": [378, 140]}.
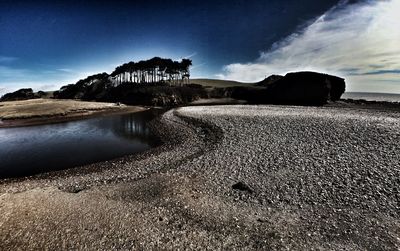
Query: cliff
{"type": "Point", "coordinates": [299, 88]}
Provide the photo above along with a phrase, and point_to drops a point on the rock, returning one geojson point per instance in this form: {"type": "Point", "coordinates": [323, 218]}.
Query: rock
{"type": "Point", "coordinates": [300, 88]}
{"type": "Point", "coordinates": [309, 88]}
{"type": "Point", "coordinates": [73, 189]}
{"type": "Point", "coordinates": [242, 187]}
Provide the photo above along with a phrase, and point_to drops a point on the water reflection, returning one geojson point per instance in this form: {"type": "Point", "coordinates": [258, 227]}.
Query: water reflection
{"type": "Point", "coordinates": [30, 150]}
{"type": "Point", "coordinates": [129, 126]}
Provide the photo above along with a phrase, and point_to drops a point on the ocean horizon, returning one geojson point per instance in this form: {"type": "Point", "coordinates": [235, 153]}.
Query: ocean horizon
{"type": "Point", "coordinates": [371, 96]}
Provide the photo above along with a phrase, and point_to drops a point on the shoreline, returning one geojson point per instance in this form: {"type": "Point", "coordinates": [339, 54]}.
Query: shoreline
{"type": "Point", "coordinates": [115, 110]}
{"type": "Point", "coordinates": [183, 189]}
{"type": "Point", "coordinates": [40, 111]}
{"type": "Point", "coordinates": [45, 120]}
{"type": "Point", "coordinates": [173, 133]}
{"type": "Point", "coordinates": [169, 139]}
{"type": "Point", "coordinates": [366, 104]}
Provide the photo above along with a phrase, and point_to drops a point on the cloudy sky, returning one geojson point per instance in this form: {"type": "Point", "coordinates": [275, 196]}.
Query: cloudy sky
{"type": "Point", "coordinates": [46, 44]}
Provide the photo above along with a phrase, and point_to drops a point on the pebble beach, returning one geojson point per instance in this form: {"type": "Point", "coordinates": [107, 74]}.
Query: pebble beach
{"type": "Point", "coordinates": [226, 177]}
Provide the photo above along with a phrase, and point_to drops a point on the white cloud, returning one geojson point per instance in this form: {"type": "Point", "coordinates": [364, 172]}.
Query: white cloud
{"type": "Point", "coordinates": [359, 42]}
{"type": "Point", "coordinates": [67, 70]}
{"type": "Point", "coordinates": [189, 56]}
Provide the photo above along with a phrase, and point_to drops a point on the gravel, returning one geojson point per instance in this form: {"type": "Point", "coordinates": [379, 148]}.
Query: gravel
{"type": "Point", "coordinates": [227, 177]}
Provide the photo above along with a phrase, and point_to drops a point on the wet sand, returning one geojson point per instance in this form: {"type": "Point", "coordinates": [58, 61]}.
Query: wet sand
{"type": "Point", "coordinates": [227, 177]}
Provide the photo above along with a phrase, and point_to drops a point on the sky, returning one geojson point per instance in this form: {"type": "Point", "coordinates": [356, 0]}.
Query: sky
{"type": "Point", "coordinates": [47, 44]}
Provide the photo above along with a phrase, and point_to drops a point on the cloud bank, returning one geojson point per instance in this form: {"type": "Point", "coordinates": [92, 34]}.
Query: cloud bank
{"type": "Point", "coordinates": [360, 42]}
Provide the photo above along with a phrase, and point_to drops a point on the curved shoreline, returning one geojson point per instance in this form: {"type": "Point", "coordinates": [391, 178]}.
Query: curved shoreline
{"type": "Point", "coordinates": [311, 178]}
{"type": "Point", "coordinates": [176, 133]}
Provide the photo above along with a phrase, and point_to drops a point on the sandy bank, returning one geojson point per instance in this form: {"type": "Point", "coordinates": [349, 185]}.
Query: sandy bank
{"type": "Point", "coordinates": [314, 178]}
{"type": "Point", "coordinates": [42, 111]}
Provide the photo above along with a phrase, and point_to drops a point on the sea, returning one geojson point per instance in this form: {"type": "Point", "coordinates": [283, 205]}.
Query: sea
{"type": "Point", "coordinates": [389, 97]}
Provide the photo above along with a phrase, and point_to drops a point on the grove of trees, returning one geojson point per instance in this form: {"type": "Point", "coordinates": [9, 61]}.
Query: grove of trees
{"type": "Point", "coordinates": [154, 70]}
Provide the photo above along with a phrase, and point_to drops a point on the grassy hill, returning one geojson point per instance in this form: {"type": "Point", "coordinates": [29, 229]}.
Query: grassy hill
{"type": "Point", "coordinates": [217, 83]}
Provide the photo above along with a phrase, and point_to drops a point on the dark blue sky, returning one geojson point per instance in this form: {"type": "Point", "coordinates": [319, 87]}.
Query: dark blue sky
{"type": "Point", "coordinates": [60, 41]}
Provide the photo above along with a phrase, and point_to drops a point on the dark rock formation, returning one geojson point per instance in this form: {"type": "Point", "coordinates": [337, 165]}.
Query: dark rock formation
{"type": "Point", "coordinates": [300, 88]}
{"type": "Point", "coordinates": [306, 88]}
{"type": "Point", "coordinates": [22, 94]}
{"type": "Point", "coordinates": [252, 94]}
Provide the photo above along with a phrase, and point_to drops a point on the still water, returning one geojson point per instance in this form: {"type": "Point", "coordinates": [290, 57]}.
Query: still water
{"type": "Point", "coordinates": [36, 149]}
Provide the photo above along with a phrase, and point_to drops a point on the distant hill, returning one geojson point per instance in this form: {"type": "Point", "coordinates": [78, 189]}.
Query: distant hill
{"type": "Point", "coordinates": [269, 81]}
{"type": "Point", "coordinates": [25, 94]}
{"type": "Point", "coordinates": [217, 83]}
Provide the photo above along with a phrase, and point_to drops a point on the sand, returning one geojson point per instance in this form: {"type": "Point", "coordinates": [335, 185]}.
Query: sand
{"type": "Point", "coordinates": [40, 111]}
{"type": "Point", "coordinates": [310, 178]}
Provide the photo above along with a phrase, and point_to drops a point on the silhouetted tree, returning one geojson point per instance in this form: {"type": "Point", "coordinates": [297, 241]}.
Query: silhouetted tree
{"type": "Point", "coordinates": [154, 70]}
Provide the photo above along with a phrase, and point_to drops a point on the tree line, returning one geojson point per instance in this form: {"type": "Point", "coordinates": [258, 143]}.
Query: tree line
{"type": "Point", "coordinates": [154, 70]}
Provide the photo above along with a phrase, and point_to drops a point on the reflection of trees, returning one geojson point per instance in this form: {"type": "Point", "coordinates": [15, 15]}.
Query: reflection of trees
{"type": "Point", "coordinates": [135, 126]}
{"type": "Point", "coordinates": [130, 126]}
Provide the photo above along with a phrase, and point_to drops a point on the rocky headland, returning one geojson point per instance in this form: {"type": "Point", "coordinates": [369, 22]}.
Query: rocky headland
{"type": "Point", "coordinates": [299, 88]}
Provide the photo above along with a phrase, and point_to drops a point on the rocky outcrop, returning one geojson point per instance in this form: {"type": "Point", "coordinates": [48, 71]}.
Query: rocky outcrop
{"type": "Point", "coordinates": [306, 88]}
{"type": "Point", "coordinates": [300, 88]}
